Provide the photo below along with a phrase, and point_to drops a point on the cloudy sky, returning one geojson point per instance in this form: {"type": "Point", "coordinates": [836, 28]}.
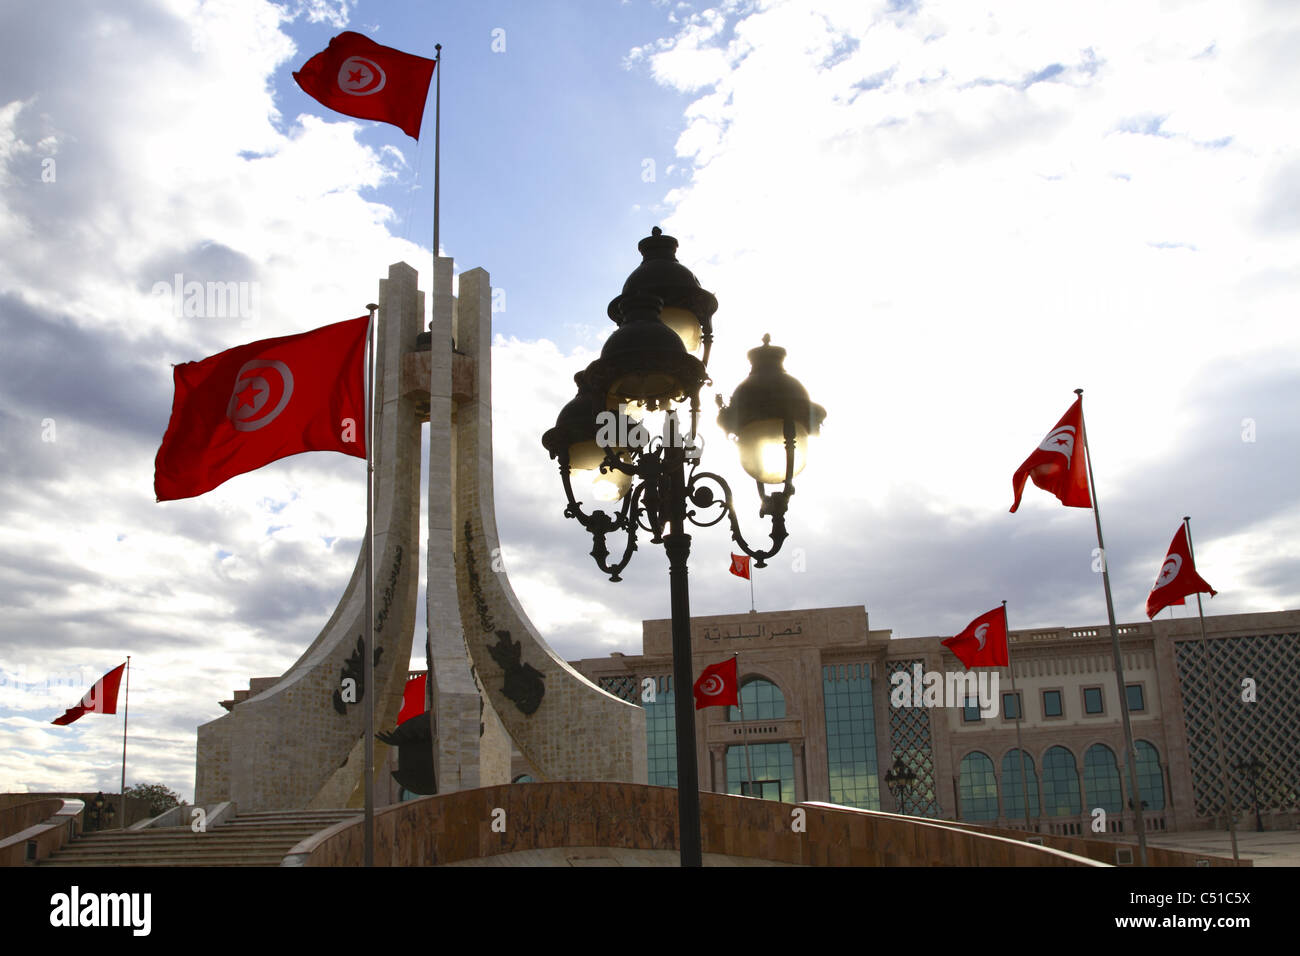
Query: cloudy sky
{"type": "Point", "coordinates": [950, 218]}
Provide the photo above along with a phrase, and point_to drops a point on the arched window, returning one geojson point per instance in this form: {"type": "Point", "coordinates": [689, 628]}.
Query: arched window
{"type": "Point", "coordinates": [761, 699]}
{"type": "Point", "coordinates": [523, 778]}
{"type": "Point", "coordinates": [978, 788]}
{"type": "Point", "coordinates": [1060, 783]}
{"type": "Point", "coordinates": [1151, 782]}
{"type": "Point", "coordinates": [1101, 779]}
{"type": "Point", "coordinates": [1013, 793]}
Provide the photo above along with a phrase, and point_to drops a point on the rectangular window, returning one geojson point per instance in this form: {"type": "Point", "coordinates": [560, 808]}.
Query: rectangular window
{"type": "Point", "coordinates": [1011, 706]}
{"type": "Point", "coordinates": [971, 712]}
{"type": "Point", "coordinates": [1092, 703]}
{"type": "Point", "coordinates": [1135, 701]}
{"type": "Point", "coordinates": [1052, 703]}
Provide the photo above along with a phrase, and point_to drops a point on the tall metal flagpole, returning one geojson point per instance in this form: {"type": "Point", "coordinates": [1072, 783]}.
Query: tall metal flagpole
{"type": "Point", "coordinates": [126, 713]}
{"type": "Point", "coordinates": [370, 590]}
{"type": "Point", "coordinates": [1020, 708]}
{"type": "Point", "coordinates": [744, 734]}
{"type": "Point", "coordinates": [1134, 793]}
{"type": "Point", "coordinates": [437, 148]}
{"type": "Point", "coordinates": [1214, 706]}
{"type": "Point", "coordinates": [751, 590]}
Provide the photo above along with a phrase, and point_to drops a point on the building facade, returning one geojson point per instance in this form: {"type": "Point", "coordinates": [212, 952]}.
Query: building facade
{"type": "Point", "coordinates": [830, 705]}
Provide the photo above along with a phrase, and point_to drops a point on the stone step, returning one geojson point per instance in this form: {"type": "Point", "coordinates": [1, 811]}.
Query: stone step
{"type": "Point", "coordinates": [195, 861]}
{"type": "Point", "coordinates": [254, 839]}
{"type": "Point", "coordinates": [218, 835]}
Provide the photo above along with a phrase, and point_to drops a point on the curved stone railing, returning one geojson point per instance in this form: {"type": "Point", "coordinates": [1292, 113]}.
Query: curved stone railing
{"type": "Point", "coordinates": [472, 824]}
{"type": "Point", "coordinates": [1105, 851]}
{"type": "Point", "coordinates": [32, 831]}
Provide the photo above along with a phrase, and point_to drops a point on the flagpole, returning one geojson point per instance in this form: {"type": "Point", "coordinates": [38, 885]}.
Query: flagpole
{"type": "Point", "coordinates": [751, 589]}
{"type": "Point", "coordinates": [437, 146]}
{"type": "Point", "coordinates": [126, 713]}
{"type": "Point", "coordinates": [1020, 708]}
{"type": "Point", "coordinates": [744, 733]}
{"type": "Point", "coordinates": [369, 654]}
{"type": "Point", "coordinates": [1214, 705]}
{"type": "Point", "coordinates": [1134, 793]}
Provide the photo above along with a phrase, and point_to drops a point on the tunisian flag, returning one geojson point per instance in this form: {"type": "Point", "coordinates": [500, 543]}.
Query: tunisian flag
{"type": "Point", "coordinates": [254, 404]}
{"type": "Point", "coordinates": [718, 686]}
{"type": "Point", "coordinates": [412, 699]}
{"type": "Point", "coordinates": [1177, 578]}
{"type": "Point", "coordinates": [1057, 464]}
{"type": "Point", "coordinates": [983, 643]}
{"type": "Point", "coordinates": [740, 565]}
{"type": "Point", "coordinates": [100, 699]}
{"type": "Point", "coordinates": [358, 77]}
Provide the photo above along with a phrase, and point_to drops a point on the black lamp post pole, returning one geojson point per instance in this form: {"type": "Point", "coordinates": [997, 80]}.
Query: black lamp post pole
{"type": "Point", "coordinates": [646, 361]}
{"type": "Point", "coordinates": [678, 545]}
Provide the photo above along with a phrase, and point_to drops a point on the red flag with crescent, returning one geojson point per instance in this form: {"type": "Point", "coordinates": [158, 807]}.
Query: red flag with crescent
{"type": "Point", "coordinates": [718, 686]}
{"type": "Point", "coordinates": [1057, 464]}
{"type": "Point", "coordinates": [412, 699]}
{"type": "Point", "coordinates": [983, 643]}
{"type": "Point", "coordinates": [100, 699]}
{"type": "Point", "coordinates": [358, 77]}
{"type": "Point", "coordinates": [254, 404]}
{"type": "Point", "coordinates": [740, 565]}
{"type": "Point", "coordinates": [1177, 577]}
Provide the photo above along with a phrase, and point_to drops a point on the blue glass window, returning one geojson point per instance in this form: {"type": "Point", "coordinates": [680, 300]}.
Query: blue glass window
{"type": "Point", "coordinates": [1092, 703]}
{"type": "Point", "coordinates": [1052, 703]}
{"type": "Point", "coordinates": [1135, 700]}
{"type": "Point", "coordinates": [851, 736]}
{"type": "Point", "coordinates": [661, 735]}
{"type": "Point", "coordinates": [1101, 779]}
{"type": "Point", "coordinates": [1011, 706]}
{"type": "Point", "coordinates": [1151, 782]}
{"type": "Point", "coordinates": [970, 714]}
{"type": "Point", "coordinates": [1060, 783]}
{"type": "Point", "coordinates": [761, 699]}
{"type": "Point", "coordinates": [978, 788]}
{"type": "Point", "coordinates": [773, 771]}
{"type": "Point", "coordinates": [1013, 793]}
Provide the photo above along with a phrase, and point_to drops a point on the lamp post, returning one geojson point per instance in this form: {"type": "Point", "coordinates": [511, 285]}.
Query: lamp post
{"type": "Point", "coordinates": [900, 779]}
{"type": "Point", "coordinates": [96, 810]}
{"type": "Point", "coordinates": [1252, 769]}
{"type": "Point", "coordinates": [653, 484]}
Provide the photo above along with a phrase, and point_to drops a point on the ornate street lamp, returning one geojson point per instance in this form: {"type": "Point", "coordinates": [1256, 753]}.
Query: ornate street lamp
{"type": "Point", "coordinates": [95, 811]}
{"type": "Point", "coordinates": [900, 779]}
{"type": "Point", "coordinates": [607, 457]}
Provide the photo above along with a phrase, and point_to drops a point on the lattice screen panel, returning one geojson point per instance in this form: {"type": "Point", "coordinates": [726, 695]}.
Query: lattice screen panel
{"type": "Point", "coordinates": [1268, 729]}
{"type": "Point", "coordinates": [624, 686]}
{"type": "Point", "coordinates": [909, 739]}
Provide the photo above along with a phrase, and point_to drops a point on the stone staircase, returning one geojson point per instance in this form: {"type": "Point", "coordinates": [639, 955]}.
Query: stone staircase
{"type": "Point", "coordinates": [259, 838]}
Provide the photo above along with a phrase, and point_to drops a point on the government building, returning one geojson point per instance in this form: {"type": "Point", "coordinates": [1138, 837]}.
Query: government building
{"type": "Point", "coordinates": [823, 722]}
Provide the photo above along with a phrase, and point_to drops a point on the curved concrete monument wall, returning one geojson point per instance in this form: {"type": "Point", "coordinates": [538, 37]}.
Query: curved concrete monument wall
{"type": "Point", "coordinates": [565, 726]}
{"type": "Point", "coordinates": [294, 741]}
{"type": "Point", "coordinates": [298, 743]}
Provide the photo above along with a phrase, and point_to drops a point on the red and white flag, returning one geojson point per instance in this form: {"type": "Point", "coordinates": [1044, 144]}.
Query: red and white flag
{"type": "Point", "coordinates": [100, 699]}
{"type": "Point", "coordinates": [249, 406]}
{"type": "Point", "coordinates": [1177, 578]}
{"type": "Point", "coordinates": [412, 699]}
{"type": "Point", "coordinates": [1057, 464]}
{"type": "Point", "coordinates": [718, 686]}
{"type": "Point", "coordinates": [983, 643]}
{"type": "Point", "coordinates": [358, 77]}
{"type": "Point", "coordinates": [740, 566]}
